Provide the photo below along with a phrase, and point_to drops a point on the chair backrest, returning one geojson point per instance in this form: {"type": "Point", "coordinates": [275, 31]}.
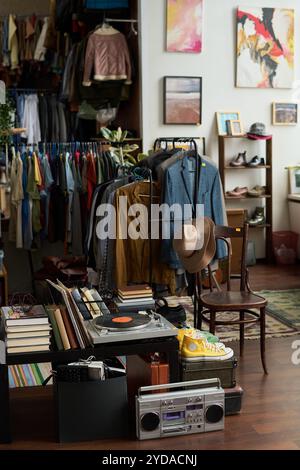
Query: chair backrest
{"type": "Point", "coordinates": [226, 233]}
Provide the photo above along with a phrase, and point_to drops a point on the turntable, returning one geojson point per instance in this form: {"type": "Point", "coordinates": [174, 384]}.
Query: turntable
{"type": "Point", "coordinates": [129, 327]}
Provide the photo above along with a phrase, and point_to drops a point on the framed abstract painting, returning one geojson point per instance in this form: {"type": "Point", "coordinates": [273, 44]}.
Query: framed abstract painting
{"type": "Point", "coordinates": [184, 25]}
{"type": "Point", "coordinates": [265, 47]}
{"type": "Point", "coordinates": [182, 100]}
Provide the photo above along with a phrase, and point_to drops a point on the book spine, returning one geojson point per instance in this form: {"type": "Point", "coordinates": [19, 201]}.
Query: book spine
{"type": "Point", "coordinates": [32, 375]}
{"type": "Point", "coordinates": [34, 371]}
{"type": "Point", "coordinates": [21, 375]}
{"type": "Point", "coordinates": [41, 379]}
{"type": "Point", "coordinates": [29, 381]}
{"type": "Point", "coordinates": [55, 328]}
{"type": "Point", "coordinates": [16, 376]}
{"type": "Point", "coordinates": [62, 329]}
{"type": "Point", "coordinates": [11, 379]}
{"type": "Point", "coordinates": [69, 328]}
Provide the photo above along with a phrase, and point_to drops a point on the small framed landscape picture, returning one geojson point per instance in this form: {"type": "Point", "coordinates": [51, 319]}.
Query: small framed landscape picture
{"type": "Point", "coordinates": [183, 100]}
{"type": "Point", "coordinates": [223, 121]}
{"type": "Point", "coordinates": [285, 114]}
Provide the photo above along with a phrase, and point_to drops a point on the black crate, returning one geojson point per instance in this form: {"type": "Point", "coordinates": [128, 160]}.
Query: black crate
{"type": "Point", "coordinates": [91, 410]}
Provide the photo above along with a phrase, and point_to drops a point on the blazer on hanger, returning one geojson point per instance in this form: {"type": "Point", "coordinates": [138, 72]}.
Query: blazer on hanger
{"type": "Point", "coordinates": [179, 187]}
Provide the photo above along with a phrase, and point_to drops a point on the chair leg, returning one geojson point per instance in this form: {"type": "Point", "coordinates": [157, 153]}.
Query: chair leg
{"type": "Point", "coordinates": [212, 323]}
{"type": "Point", "coordinates": [263, 338]}
{"type": "Point", "coordinates": [242, 333]}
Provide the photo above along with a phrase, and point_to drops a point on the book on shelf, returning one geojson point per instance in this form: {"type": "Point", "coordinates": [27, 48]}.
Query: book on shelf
{"type": "Point", "coordinates": [136, 289]}
{"type": "Point", "coordinates": [50, 309]}
{"type": "Point", "coordinates": [28, 342]}
{"type": "Point", "coordinates": [136, 301]}
{"type": "Point", "coordinates": [27, 334]}
{"type": "Point", "coordinates": [27, 349]}
{"type": "Point", "coordinates": [15, 329]}
{"type": "Point", "coordinates": [20, 316]}
{"type": "Point", "coordinates": [28, 375]}
{"type": "Point", "coordinates": [73, 332]}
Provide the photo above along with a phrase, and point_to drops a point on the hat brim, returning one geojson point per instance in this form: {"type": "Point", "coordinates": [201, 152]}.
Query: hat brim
{"type": "Point", "coordinates": [258, 136]}
{"type": "Point", "coordinates": [199, 259]}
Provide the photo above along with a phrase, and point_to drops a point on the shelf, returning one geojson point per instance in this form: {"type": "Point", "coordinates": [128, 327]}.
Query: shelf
{"type": "Point", "coordinates": [244, 136]}
{"type": "Point", "coordinates": [266, 196]}
{"type": "Point", "coordinates": [259, 167]}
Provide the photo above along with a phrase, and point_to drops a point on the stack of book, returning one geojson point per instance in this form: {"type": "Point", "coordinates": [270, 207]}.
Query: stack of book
{"type": "Point", "coordinates": [29, 375]}
{"type": "Point", "coordinates": [68, 316]}
{"type": "Point", "coordinates": [27, 329]}
{"type": "Point", "coordinates": [135, 298]}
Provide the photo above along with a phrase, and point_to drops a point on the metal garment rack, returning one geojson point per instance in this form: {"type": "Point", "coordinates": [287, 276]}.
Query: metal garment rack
{"type": "Point", "coordinates": [192, 141]}
{"type": "Point", "coordinates": [174, 140]}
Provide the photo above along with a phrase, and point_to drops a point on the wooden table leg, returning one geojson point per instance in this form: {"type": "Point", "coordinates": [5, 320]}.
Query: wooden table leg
{"type": "Point", "coordinates": [5, 436]}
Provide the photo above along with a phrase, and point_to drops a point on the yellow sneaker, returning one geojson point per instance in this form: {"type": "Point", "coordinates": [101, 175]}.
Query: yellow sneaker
{"type": "Point", "coordinates": [199, 349]}
{"type": "Point", "coordinates": [194, 333]}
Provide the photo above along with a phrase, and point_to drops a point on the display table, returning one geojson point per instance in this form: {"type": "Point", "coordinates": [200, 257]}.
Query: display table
{"type": "Point", "coordinates": [169, 346]}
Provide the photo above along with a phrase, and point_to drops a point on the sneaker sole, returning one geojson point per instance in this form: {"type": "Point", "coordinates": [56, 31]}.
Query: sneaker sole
{"type": "Point", "coordinates": [208, 358]}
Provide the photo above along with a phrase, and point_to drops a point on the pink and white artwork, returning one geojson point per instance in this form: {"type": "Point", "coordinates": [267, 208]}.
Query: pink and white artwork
{"type": "Point", "coordinates": [184, 25]}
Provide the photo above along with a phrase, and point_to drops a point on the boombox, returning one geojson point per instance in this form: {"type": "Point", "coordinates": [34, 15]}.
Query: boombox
{"type": "Point", "coordinates": [198, 407]}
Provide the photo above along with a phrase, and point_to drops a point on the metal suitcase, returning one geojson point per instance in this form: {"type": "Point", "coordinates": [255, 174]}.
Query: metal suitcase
{"type": "Point", "coordinates": [233, 400]}
{"type": "Point", "coordinates": [223, 370]}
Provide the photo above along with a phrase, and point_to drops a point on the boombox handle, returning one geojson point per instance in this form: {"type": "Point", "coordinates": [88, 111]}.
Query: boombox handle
{"type": "Point", "coordinates": [189, 384]}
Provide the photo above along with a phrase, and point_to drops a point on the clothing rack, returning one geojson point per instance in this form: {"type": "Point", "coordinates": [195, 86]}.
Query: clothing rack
{"type": "Point", "coordinates": [174, 140]}
{"type": "Point", "coordinates": [192, 141]}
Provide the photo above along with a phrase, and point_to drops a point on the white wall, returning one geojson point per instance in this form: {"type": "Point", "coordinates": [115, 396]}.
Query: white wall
{"type": "Point", "coordinates": [216, 64]}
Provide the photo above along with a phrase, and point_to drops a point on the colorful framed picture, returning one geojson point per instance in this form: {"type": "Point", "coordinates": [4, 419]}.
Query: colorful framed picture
{"type": "Point", "coordinates": [285, 114]}
{"type": "Point", "coordinates": [184, 25]}
{"type": "Point", "coordinates": [183, 100]}
{"type": "Point", "coordinates": [265, 47]}
{"type": "Point", "coordinates": [235, 127]}
{"type": "Point", "coordinates": [223, 121]}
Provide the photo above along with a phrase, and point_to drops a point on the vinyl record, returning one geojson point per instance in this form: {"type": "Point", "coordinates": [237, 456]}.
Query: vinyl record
{"type": "Point", "coordinates": [123, 322]}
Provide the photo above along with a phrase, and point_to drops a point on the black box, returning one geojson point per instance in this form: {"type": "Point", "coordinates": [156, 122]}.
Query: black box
{"type": "Point", "coordinates": [233, 400]}
{"type": "Point", "coordinates": [92, 410]}
{"type": "Point", "coordinates": [223, 370]}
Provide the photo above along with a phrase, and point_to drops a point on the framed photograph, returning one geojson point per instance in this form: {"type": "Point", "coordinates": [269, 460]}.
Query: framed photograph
{"type": "Point", "coordinates": [183, 100]}
{"type": "Point", "coordinates": [235, 127]}
{"type": "Point", "coordinates": [294, 180]}
{"type": "Point", "coordinates": [222, 120]}
{"type": "Point", "coordinates": [285, 114]}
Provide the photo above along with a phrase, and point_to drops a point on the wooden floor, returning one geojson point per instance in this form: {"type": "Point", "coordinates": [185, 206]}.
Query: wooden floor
{"type": "Point", "coordinates": [270, 417]}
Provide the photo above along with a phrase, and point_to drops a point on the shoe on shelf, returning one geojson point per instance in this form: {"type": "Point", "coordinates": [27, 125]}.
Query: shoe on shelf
{"type": "Point", "coordinates": [199, 349]}
{"type": "Point", "coordinates": [257, 191]}
{"type": "Point", "coordinates": [258, 217]}
{"type": "Point", "coordinates": [256, 161]}
{"type": "Point", "coordinates": [240, 160]}
{"type": "Point", "coordinates": [237, 192]}
{"type": "Point", "coordinates": [194, 333]}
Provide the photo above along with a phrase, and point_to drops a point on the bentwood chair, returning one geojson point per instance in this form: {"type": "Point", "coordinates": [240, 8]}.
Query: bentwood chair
{"type": "Point", "coordinates": [242, 301]}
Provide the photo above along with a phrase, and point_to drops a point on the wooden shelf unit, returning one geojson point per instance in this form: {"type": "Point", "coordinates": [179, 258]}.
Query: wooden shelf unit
{"type": "Point", "coordinates": [224, 167]}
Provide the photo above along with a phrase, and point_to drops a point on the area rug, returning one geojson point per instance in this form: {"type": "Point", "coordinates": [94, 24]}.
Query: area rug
{"type": "Point", "coordinates": [275, 328]}
{"type": "Point", "coordinates": [284, 305]}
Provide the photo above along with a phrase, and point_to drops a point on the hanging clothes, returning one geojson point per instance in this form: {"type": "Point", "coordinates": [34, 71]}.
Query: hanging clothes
{"type": "Point", "coordinates": [132, 255]}
{"type": "Point", "coordinates": [17, 195]}
{"type": "Point", "coordinates": [40, 50]}
{"type": "Point", "coordinates": [107, 55]}
{"type": "Point", "coordinates": [13, 45]}
{"type": "Point", "coordinates": [31, 121]}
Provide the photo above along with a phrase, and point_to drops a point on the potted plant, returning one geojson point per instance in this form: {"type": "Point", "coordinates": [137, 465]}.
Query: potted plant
{"type": "Point", "coordinates": [120, 149]}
